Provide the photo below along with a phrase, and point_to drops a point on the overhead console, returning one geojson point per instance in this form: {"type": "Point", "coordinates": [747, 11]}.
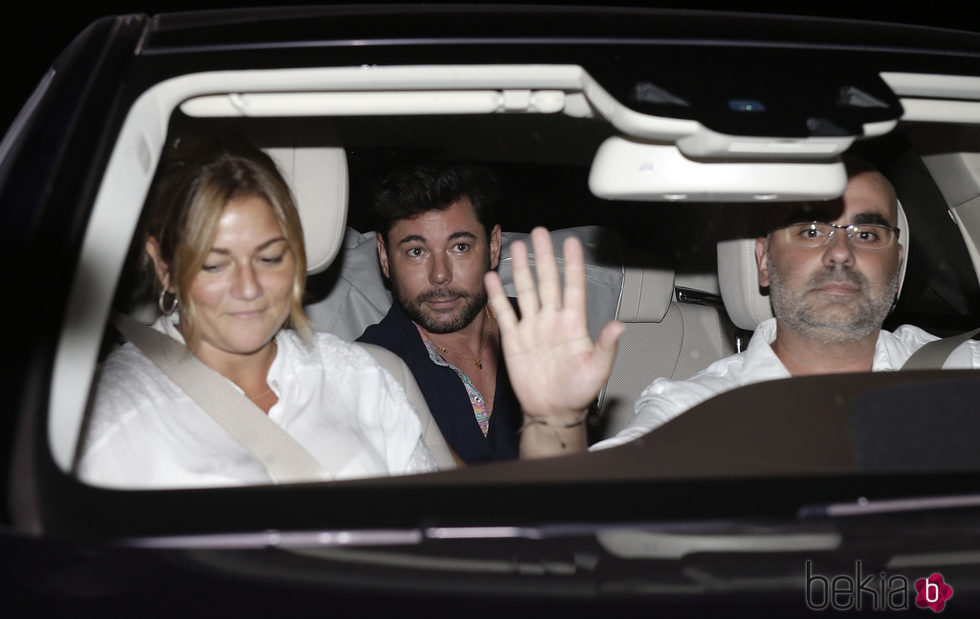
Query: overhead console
{"type": "Point", "coordinates": [762, 128]}
{"type": "Point", "coordinates": [756, 92]}
{"type": "Point", "coordinates": [728, 131]}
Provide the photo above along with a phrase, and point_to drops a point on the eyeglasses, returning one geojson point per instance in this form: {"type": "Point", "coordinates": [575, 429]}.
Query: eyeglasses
{"type": "Point", "coordinates": [813, 234]}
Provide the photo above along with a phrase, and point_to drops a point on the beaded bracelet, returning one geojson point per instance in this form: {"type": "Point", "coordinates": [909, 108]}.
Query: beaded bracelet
{"type": "Point", "coordinates": [540, 422]}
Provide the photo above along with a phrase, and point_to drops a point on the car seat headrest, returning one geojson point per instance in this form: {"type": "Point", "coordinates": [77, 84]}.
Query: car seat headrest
{"type": "Point", "coordinates": [603, 269]}
{"type": "Point", "coordinates": [738, 281]}
{"type": "Point", "coordinates": [647, 294]}
{"type": "Point", "coordinates": [903, 240]}
{"type": "Point", "coordinates": [318, 179]}
{"type": "Point", "coordinates": [738, 277]}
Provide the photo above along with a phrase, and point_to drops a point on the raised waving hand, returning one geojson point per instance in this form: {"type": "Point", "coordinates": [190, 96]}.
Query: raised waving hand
{"type": "Point", "coordinates": [555, 368]}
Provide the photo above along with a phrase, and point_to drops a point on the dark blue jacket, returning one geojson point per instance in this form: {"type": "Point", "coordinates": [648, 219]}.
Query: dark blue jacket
{"type": "Point", "coordinates": [446, 395]}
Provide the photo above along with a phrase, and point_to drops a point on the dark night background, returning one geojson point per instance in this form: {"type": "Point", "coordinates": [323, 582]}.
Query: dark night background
{"type": "Point", "coordinates": [35, 36]}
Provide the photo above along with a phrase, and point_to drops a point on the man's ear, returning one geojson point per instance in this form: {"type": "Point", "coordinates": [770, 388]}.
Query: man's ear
{"type": "Point", "coordinates": [383, 255]}
{"type": "Point", "coordinates": [761, 253]}
{"type": "Point", "coordinates": [494, 247]}
{"type": "Point", "coordinates": [160, 266]}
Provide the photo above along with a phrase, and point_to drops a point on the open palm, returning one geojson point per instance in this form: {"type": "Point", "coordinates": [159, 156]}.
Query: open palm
{"type": "Point", "coordinates": [555, 368]}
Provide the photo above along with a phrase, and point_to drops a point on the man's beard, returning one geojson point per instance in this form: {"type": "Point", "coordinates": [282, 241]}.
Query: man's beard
{"type": "Point", "coordinates": [795, 308]}
{"type": "Point", "coordinates": [472, 305]}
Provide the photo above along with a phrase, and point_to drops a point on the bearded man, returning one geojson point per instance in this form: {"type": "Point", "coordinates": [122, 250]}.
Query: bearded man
{"type": "Point", "coordinates": [437, 238]}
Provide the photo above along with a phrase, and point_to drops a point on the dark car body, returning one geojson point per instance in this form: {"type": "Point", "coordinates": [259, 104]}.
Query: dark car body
{"type": "Point", "coordinates": [724, 513]}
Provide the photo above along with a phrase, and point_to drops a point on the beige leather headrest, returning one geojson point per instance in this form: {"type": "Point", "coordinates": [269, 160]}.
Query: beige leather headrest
{"type": "Point", "coordinates": [738, 280]}
{"type": "Point", "coordinates": [647, 294]}
{"type": "Point", "coordinates": [318, 179]}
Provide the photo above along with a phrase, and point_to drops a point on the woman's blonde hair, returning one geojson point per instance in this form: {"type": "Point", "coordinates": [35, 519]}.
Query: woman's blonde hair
{"type": "Point", "coordinates": [198, 178]}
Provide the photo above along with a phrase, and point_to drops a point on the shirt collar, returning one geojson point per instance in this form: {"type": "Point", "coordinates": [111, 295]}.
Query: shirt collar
{"type": "Point", "coordinates": [433, 351]}
{"type": "Point", "coordinates": [168, 325]}
{"type": "Point", "coordinates": [761, 360]}
{"type": "Point", "coordinates": [889, 354]}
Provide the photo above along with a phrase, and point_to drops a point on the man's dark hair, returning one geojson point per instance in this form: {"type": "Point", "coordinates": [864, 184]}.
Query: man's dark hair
{"type": "Point", "coordinates": [415, 190]}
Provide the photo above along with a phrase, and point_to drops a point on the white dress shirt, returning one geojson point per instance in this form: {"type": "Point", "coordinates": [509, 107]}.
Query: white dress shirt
{"type": "Point", "coordinates": [665, 399]}
{"type": "Point", "coordinates": [334, 399]}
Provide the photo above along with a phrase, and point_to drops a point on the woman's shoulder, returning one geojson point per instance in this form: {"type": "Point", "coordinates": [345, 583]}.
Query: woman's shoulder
{"type": "Point", "coordinates": [128, 369]}
{"type": "Point", "coordinates": [129, 385]}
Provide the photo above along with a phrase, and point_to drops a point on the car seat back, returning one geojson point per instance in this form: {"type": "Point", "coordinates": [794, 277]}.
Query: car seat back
{"type": "Point", "coordinates": [357, 296]}
{"type": "Point", "coordinates": [665, 336]}
{"type": "Point", "coordinates": [318, 179]}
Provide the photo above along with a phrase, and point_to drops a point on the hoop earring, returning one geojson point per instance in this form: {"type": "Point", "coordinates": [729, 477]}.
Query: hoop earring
{"type": "Point", "coordinates": [160, 301]}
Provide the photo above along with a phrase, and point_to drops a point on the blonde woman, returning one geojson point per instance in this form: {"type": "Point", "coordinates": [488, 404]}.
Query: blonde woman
{"type": "Point", "coordinates": [224, 246]}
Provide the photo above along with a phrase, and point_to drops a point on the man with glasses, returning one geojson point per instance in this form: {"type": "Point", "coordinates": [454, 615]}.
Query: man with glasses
{"type": "Point", "coordinates": [832, 270]}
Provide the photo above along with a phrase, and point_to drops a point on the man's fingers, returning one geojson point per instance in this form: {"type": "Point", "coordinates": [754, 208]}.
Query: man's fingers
{"type": "Point", "coordinates": [546, 268]}
{"type": "Point", "coordinates": [574, 275]}
{"type": "Point", "coordinates": [527, 293]}
{"type": "Point", "coordinates": [502, 309]}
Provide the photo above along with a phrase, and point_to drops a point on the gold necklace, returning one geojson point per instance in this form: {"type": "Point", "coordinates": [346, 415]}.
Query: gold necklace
{"type": "Point", "coordinates": [478, 360]}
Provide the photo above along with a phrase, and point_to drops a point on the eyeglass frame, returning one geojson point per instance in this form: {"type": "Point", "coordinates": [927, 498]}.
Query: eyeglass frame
{"type": "Point", "coordinates": [847, 230]}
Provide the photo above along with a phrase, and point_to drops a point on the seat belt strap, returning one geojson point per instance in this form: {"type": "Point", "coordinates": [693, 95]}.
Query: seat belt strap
{"type": "Point", "coordinates": [431, 435]}
{"type": "Point", "coordinates": [933, 354]}
{"type": "Point", "coordinates": [285, 459]}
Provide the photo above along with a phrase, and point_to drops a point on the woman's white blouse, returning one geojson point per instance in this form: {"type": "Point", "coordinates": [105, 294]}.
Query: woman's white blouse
{"type": "Point", "coordinates": [334, 399]}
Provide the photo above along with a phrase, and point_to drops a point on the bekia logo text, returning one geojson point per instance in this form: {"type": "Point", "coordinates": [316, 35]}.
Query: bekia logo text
{"type": "Point", "coordinates": [880, 591]}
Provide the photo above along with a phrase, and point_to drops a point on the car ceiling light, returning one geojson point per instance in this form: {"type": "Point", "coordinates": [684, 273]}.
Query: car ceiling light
{"type": "Point", "coordinates": [375, 103]}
